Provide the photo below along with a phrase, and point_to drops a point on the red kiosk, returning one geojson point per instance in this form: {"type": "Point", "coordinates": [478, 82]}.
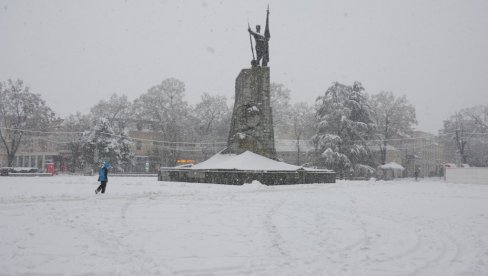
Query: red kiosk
{"type": "Point", "coordinates": [50, 168]}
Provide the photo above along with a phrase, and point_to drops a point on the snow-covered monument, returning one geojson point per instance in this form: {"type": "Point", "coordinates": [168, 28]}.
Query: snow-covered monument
{"type": "Point", "coordinates": [252, 120]}
{"type": "Point", "coordinates": [250, 153]}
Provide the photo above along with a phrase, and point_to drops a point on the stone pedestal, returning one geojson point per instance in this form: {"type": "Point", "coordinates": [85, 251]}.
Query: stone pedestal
{"type": "Point", "coordinates": [252, 120]}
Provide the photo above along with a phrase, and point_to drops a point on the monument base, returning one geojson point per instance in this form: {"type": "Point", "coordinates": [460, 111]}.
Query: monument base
{"type": "Point", "coordinates": [239, 177]}
{"type": "Point", "coordinates": [243, 168]}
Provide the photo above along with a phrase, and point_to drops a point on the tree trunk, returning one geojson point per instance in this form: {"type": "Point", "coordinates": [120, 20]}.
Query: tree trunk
{"type": "Point", "coordinates": [383, 153]}
{"type": "Point", "coordinates": [461, 145]}
{"type": "Point", "coordinates": [10, 159]}
{"type": "Point", "coordinates": [14, 146]}
{"type": "Point", "coordinates": [298, 152]}
{"type": "Point", "coordinates": [385, 141]}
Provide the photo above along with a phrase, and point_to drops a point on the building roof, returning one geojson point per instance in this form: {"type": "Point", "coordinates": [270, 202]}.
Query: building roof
{"type": "Point", "coordinates": [392, 165]}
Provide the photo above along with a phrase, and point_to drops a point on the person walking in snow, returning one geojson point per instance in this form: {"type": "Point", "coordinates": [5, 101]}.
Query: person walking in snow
{"type": "Point", "coordinates": [102, 177]}
{"type": "Point", "coordinates": [417, 172]}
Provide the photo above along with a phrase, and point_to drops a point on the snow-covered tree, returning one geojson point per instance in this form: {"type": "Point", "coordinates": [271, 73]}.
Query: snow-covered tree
{"type": "Point", "coordinates": [394, 118]}
{"type": "Point", "coordinates": [343, 126]}
{"type": "Point", "coordinates": [102, 143]}
{"type": "Point", "coordinates": [21, 110]}
{"type": "Point", "coordinates": [72, 127]}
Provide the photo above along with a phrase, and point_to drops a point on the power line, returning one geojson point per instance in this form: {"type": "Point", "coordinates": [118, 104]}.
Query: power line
{"type": "Point", "coordinates": [223, 143]}
{"type": "Point", "coordinates": [115, 135]}
{"type": "Point", "coordinates": [166, 142]}
{"type": "Point", "coordinates": [186, 150]}
{"type": "Point", "coordinates": [40, 131]}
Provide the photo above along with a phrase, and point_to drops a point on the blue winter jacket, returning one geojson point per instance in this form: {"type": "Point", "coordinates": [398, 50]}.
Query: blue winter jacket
{"type": "Point", "coordinates": [103, 172]}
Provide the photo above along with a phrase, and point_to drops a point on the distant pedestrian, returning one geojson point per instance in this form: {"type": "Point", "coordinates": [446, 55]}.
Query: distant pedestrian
{"type": "Point", "coordinates": [417, 172]}
{"type": "Point", "coordinates": [102, 177]}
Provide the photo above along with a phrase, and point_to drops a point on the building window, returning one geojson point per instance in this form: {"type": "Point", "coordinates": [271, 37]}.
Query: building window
{"type": "Point", "coordinates": [138, 145]}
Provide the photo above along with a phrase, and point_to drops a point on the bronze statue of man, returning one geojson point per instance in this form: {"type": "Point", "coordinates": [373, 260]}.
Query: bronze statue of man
{"type": "Point", "coordinates": [262, 49]}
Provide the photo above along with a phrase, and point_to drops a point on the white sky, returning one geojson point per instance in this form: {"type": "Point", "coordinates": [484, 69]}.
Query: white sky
{"type": "Point", "coordinates": [75, 53]}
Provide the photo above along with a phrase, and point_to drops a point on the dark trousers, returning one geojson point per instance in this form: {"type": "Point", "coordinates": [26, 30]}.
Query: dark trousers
{"type": "Point", "coordinates": [102, 186]}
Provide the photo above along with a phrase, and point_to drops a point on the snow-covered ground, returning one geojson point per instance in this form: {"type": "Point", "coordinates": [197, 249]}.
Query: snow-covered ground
{"type": "Point", "coordinates": [57, 225]}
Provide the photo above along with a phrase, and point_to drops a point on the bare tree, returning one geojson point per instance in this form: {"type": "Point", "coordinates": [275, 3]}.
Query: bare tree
{"type": "Point", "coordinates": [479, 114]}
{"type": "Point", "coordinates": [164, 105]}
{"type": "Point", "coordinates": [116, 110]}
{"type": "Point", "coordinates": [210, 112]}
{"type": "Point", "coordinates": [280, 105]}
{"type": "Point", "coordinates": [21, 110]}
{"type": "Point", "coordinates": [393, 116]}
{"type": "Point", "coordinates": [459, 128]}
{"type": "Point", "coordinates": [302, 121]}
{"type": "Point", "coordinates": [467, 129]}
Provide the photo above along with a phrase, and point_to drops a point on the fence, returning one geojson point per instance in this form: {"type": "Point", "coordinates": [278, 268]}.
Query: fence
{"type": "Point", "coordinates": [467, 175]}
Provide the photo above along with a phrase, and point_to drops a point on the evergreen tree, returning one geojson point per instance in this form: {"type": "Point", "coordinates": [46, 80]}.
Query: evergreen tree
{"type": "Point", "coordinates": [343, 126]}
{"type": "Point", "coordinates": [101, 143]}
{"type": "Point", "coordinates": [72, 126]}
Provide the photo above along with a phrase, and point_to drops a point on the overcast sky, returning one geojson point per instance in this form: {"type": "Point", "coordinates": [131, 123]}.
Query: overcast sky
{"type": "Point", "coordinates": [75, 53]}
